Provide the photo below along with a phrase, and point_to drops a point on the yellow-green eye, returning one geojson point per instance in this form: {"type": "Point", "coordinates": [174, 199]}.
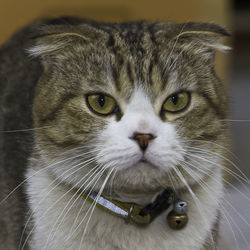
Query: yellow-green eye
{"type": "Point", "coordinates": [177, 102]}
{"type": "Point", "coordinates": [101, 104]}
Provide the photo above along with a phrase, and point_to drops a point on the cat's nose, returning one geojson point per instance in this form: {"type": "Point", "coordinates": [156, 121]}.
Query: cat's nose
{"type": "Point", "coordinates": [143, 140]}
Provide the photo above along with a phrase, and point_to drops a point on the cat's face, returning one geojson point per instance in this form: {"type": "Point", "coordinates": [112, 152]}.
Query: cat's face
{"type": "Point", "coordinates": [127, 105]}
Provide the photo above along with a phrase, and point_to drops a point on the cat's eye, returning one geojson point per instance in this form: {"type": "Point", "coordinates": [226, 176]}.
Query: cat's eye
{"type": "Point", "coordinates": [101, 104]}
{"type": "Point", "coordinates": [177, 102]}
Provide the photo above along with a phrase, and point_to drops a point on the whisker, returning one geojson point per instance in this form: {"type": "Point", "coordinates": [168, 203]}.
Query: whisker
{"type": "Point", "coordinates": [85, 200]}
{"type": "Point", "coordinates": [75, 150]}
{"type": "Point", "coordinates": [82, 192]}
{"type": "Point", "coordinates": [224, 158]}
{"type": "Point", "coordinates": [94, 170]}
{"type": "Point", "coordinates": [195, 198]}
{"type": "Point", "coordinates": [24, 130]}
{"type": "Point", "coordinates": [166, 66]}
{"type": "Point", "coordinates": [94, 205]}
{"type": "Point", "coordinates": [231, 228]}
{"type": "Point", "coordinates": [199, 182]}
{"type": "Point", "coordinates": [207, 190]}
{"type": "Point", "coordinates": [231, 185]}
{"type": "Point", "coordinates": [176, 58]}
{"type": "Point", "coordinates": [111, 182]}
{"type": "Point", "coordinates": [237, 227]}
{"type": "Point", "coordinates": [204, 172]}
{"type": "Point", "coordinates": [96, 179]}
{"type": "Point", "coordinates": [52, 207]}
{"type": "Point", "coordinates": [232, 173]}
{"type": "Point", "coordinates": [28, 178]}
{"type": "Point", "coordinates": [47, 193]}
{"type": "Point", "coordinates": [37, 172]}
{"type": "Point", "coordinates": [171, 178]}
{"type": "Point", "coordinates": [231, 120]}
{"type": "Point", "coordinates": [216, 144]}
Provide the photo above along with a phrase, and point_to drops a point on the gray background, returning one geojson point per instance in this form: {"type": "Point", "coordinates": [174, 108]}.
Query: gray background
{"type": "Point", "coordinates": [235, 230]}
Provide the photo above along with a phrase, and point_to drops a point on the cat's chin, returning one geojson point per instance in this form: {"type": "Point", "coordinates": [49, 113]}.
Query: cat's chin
{"type": "Point", "coordinates": [144, 178]}
{"type": "Point", "coordinates": [140, 178]}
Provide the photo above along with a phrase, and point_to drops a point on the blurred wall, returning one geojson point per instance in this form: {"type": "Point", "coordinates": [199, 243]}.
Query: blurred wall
{"type": "Point", "coordinates": [15, 14]}
{"type": "Point", "coordinates": [240, 85]}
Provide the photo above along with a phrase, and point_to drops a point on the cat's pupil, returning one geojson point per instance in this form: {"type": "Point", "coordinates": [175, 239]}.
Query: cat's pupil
{"type": "Point", "coordinates": [101, 100]}
{"type": "Point", "coordinates": [175, 99]}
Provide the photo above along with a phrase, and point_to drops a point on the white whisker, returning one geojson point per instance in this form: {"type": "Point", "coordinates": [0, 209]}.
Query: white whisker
{"type": "Point", "coordinates": [231, 185]}
{"type": "Point", "coordinates": [237, 227]}
{"type": "Point", "coordinates": [166, 66]}
{"type": "Point", "coordinates": [208, 189]}
{"type": "Point", "coordinates": [24, 130]}
{"type": "Point", "coordinates": [243, 177]}
{"type": "Point", "coordinates": [94, 205]}
{"type": "Point", "coordinates": [49, 208]}
{"type": "Point", "coordinates": [50, 190]}
{"type": "Point", "coordinates": [204, 172]}
{"type": "Point", "coordinates": [213, 143]}
{"type": "Point", "coordinates": [97, 178]}
{"type": "Point", "coordinates": [232, 173]}
{"type": "Point", "coordinates": [195, 198]}
{"type": "Point", "coordinates": [199, 182]}
{"type": "Point", "coordinates": [37, 172]}
{"type": "Point", "coordinates": [231, 228]}
{"type": "Point", "coordinates": [231, 120]}
{"type": "Point", "coordinates": [94, 170]}
{"type": "Point", "coordinates": [111, 182]}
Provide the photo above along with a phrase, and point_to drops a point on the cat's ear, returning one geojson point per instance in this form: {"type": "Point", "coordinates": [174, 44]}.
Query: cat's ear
{"type": "Point", "coordinates": [50, 40]}
{"type": "Point", "coordinates": [201, 38]}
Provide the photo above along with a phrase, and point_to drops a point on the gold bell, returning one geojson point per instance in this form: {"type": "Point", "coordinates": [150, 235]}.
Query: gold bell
{"type": "Point", "coordinates": [177, 221]}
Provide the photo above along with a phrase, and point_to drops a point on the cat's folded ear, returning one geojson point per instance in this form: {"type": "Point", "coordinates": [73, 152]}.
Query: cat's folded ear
{"type": "Point", "coordinates": [201, 38]}
{"type": "Point", "coordinates": [51, 39]}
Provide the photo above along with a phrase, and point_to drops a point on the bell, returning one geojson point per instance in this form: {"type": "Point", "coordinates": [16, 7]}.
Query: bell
{"type": "Point", "coordinates": [177, 221]}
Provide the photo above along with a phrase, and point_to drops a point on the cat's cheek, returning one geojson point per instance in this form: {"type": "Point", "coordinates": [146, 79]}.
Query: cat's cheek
{"type": "Point", "coordinates": [114, 147]}
{"type": "Point", "coordinates": [166, 150]}
{"type": "Point", "coordinates": [164, 162]}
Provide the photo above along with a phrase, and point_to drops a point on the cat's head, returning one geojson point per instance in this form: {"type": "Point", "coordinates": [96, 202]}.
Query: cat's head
{"type": "Point", "coordinates": [136, 105]}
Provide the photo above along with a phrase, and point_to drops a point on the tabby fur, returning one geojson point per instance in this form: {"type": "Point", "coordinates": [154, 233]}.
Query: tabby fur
{"type": "Point", "coordinates": [47, 69]}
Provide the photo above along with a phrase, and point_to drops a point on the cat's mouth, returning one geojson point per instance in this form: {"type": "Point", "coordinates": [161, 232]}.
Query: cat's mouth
{"type": "Point", "coordinates": [144, 163]}
{"type": "Point", "coordinates": [143, 160]}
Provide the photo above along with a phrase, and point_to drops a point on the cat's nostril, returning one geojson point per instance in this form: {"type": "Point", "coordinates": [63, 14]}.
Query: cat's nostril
{"type": "Point", "coordinates": [143, 140]}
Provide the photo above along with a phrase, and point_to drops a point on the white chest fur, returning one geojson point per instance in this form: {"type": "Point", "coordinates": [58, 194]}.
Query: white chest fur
{"type": "Point", "coordinates": [109, 232]}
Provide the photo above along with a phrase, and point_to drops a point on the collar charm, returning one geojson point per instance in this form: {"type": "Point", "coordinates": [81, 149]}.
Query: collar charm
{"type": "Point", "coordinates": [177, 218]}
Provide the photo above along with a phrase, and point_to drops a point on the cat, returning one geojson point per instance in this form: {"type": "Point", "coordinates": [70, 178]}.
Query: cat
{"type": "Point", "coordinates": [124, 111]}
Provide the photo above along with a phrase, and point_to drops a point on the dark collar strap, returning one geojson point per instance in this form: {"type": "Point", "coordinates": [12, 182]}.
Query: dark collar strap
{"type": "Point", "coordinates": [133, 213]}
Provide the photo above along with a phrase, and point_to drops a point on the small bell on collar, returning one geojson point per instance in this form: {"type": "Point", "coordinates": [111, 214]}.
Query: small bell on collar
{"type": "Point", "coordinates": [177, 218]}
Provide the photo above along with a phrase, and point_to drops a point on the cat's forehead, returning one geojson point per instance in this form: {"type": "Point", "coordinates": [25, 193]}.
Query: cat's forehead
{"type": "Point", "coordinates": [162, 58]}
{"type": "Point", "coordinates": [130, 59]}
{"type": "Point", "coordinates": [122, 75]}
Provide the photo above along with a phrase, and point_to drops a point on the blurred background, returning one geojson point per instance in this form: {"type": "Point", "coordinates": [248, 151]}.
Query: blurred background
{"type": "Point", "coordinates": [233, 68]}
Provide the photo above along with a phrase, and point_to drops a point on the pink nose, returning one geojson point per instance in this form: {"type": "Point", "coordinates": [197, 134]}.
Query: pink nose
{"type": "Point", "coordinates": [143, 140]}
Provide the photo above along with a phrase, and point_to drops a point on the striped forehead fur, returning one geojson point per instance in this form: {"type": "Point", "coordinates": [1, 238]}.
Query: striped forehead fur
{"type": "Point", "coordinates": [138, 38]}
{"type": "Point", "coordinates": [130, 53]}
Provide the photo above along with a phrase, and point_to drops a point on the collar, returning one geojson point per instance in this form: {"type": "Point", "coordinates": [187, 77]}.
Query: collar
{"type": "Point", "coordinates": [135, 214]}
